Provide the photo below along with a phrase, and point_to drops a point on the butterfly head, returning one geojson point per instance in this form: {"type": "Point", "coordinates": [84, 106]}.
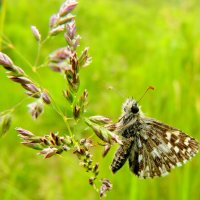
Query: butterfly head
{"type": "Point", "coordinates": [130, 107]}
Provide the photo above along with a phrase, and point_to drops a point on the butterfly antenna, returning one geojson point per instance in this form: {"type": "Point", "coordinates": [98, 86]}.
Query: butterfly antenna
{"type": "Point", "coordinates": [149, 88]}
{"type": "Point", "coordinates": [117, 92]}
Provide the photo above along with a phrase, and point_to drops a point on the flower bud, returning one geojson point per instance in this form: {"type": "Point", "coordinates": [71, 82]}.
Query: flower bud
{"type": "Point", "coordinates": [106, 149]}
{"type": "Point", "coordinates": [64, 20]}
{"type": "Point", "coordinates": [36, 95]}
{"type": "Point", "coordinates": [6, 61]}
{"type": "Point", "coordinates": [31, 87]}
{"type": "Point", "coordinates": [84, 59]}
{"type": "Point", "coordinates": [46, 98]}
{"type": "Point", "coordinates": [36, 33]}
{"type": "Point", "coordinates": [53, 20]}
{"type": "Point", "coordinates": [57, 30]}
{"type": "Point", "coordinates": [76, 111]}
{"type": "Point", "coordinates": [103, 133]}
{"type": "Point", "coordinates": [35, 108]}
{"type": "Point", "coordinates": [91, 180]}
{"type": "Point", "coordinates": [24, 132]}
{"type": "Point", "coordinates": [20, 79]}
{"type": "Point", "coordinates": [48, 152]}
{"type": "Point", "coordinates": [100, 119]}
{"type": "Point", "coordinates": [71, 29]}
{"type": "Point", "coordinates": [67, 7]}
{"type": "Point", "coordinates": [106, 186]}
{"type": "Point", "coordinates": [69, 96]}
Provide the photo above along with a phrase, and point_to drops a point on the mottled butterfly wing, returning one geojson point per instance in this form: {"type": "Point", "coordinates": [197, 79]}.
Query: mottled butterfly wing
{"type": "Point", "coordinates": [122, 154]}
{"type": "Point", "coordinates": [157, 148]}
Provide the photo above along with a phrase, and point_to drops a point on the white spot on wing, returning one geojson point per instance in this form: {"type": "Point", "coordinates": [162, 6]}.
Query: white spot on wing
{"type": "Point", "coordinates": [163, 170]}
{"type": "Point", "coordinates": [164, 148]}
{"type": "Point", "coordinates": [176, 133]}
{"type": "Point", "coordinates": [155, 153]}
{"type": "Point", "coordinates": [153, 137]}
{"type": "Point", "coordinates": [140, 157]}
{"type": "Point", "coordinates": [177, 141]}
{"type": "Point", "coordinates": [164, 174]}
{"type": "Point", "coordinates": [147, 168]}
{"type": "Point", "coordinates": [186, 142]}
{"type": "Point", "coordinates": [172, 166]}
{"type": "Point", "coordinates": [142, 173]}
{"type": "Point", "coordinates": [176, 149]}
{"type": "Point", "coordinates": [144, 135]}
{"type": "Point", "coordinates": [139, 143]}
{"type": "Point", "coordinates": [168, 135]}
{"type": "Point", "coordinates": [169, 145]}
{"type": "Point", "coordinates": [189, 150]}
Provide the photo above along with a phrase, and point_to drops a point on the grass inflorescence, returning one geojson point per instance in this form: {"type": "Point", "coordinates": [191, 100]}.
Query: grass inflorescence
{"type": "Point", "coordinates": [68, 62]}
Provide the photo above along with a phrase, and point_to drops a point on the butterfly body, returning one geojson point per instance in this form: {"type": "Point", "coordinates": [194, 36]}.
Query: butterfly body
{"type": "Point", "coordinates": [152, 148]}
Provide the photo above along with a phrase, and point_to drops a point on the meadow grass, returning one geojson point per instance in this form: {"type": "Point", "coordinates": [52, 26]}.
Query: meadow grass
{"type": "Point", "coordinates": [134, 44]}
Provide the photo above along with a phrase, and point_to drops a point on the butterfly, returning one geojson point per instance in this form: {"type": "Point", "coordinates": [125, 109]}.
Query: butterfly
{"type": "Point", "coordinates": [152, 148]}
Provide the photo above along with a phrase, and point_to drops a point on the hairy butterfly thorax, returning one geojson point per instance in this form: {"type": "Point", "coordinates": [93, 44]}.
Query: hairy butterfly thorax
{"type": "Point", "coordinates": [152, 148]}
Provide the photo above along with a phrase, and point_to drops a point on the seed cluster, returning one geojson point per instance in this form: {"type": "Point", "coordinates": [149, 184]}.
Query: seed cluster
{"type": "Point", "coordinates": [68, 62]}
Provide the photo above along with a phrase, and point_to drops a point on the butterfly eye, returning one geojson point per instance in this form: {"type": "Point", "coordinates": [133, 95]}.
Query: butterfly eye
{"type": "Point", "coordinates": [134, 109]}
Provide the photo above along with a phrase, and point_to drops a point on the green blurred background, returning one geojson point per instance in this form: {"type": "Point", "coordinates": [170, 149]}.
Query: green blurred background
{"type": "Point", "coordinates": [134, 44]}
